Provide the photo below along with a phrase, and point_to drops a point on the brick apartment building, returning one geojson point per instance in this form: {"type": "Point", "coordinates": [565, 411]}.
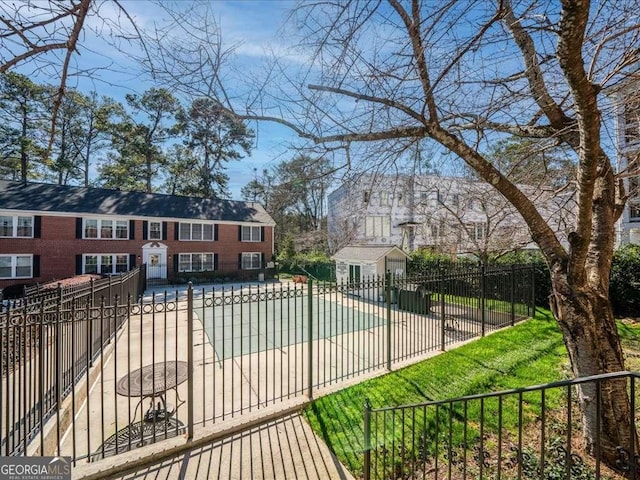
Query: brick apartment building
{"type": "Point", "coordinates": [56, 231]}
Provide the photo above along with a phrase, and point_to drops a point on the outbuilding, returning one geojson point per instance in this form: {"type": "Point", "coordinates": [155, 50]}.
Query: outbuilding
{"type": "Point", "coordinates": [357, 262]}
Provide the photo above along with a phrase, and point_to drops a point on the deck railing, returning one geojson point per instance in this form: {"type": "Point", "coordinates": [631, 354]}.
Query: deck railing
{"type": "Point", "coordinates": [525, 433]}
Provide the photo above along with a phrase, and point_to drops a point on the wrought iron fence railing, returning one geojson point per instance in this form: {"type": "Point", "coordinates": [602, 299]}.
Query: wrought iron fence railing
{"type": "Point", "coordinates": [526, 433]}
{"type": "Point", "coordinates": [48, 344]}
{"type": "Point", "coordinates": [90, 381]}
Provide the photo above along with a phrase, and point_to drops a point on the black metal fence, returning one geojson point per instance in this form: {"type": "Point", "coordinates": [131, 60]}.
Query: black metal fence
{"type": "Point", "coordinates": [135, 372]}
{"type": "Point", "coordinates": [524, 433]}
{"type": "Point", "coordinates": [49, 341]}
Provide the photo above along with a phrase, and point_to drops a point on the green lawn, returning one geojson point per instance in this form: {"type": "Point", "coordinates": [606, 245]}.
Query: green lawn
{"type": "Point", "coordinates": [530, 353]}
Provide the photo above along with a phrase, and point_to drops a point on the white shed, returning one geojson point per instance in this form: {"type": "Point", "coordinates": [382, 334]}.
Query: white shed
{"type": "Point", "coordinates": [358, 262]}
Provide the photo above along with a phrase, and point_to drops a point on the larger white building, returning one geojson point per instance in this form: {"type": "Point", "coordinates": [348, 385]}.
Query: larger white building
{"type": "Point", "coordinates": [451, 215]}
{"type": "Point", "coordinates": [626, 100]}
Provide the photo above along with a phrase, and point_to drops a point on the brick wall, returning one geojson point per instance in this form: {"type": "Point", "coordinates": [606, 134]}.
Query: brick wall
{"type": "Point", "coordinates": [58, 247]}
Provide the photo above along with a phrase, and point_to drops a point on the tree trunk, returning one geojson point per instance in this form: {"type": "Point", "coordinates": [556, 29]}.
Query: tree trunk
{"type": "Point", "coordinates": [589, 330]}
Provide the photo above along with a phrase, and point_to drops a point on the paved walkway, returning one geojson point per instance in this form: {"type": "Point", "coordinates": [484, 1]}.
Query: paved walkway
{"type": "Point", "coordinates": [281, 449]}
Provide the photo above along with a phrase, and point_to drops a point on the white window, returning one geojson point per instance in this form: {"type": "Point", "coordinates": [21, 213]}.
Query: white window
{"type": "Point", "coordinates": [383, 198]}
{"type": "Point", "coordinates": [106, 229]}
{"type": "Point", "coordinates": [478, 231]}
{"type": "Point", "coordinates": [196, 262]}
{"type": "Point", "coordinates": [437, 229]}
{"type": "Point", "coordinates": [16, 266]}
{"type": "Point", "coordinates": [155, 231]}
{"type": "Point", "coordinates": [105, 263]}
{"type": "Point", "coordinates": [632, 121]}
{"type": "Point", "coordinates": [196, 231]}
{"type": "Point", "coordinates": [251, 261]}
{"type": "Point", "coordinates": [16, 226]}
{"type": "Point", "coordinates": [377, 226]}
{"type": "Point", "coordinates": [251, 234]}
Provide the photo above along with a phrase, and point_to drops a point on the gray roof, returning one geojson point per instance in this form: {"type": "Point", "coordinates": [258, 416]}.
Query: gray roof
{"type": "Point", "coordinates": [365, 252]}
{"type": "Point", "coordinates": [98, 201]}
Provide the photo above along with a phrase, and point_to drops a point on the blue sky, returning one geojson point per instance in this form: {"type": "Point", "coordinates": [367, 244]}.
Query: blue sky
{"type": "Point", "coordinates": [252, 27]}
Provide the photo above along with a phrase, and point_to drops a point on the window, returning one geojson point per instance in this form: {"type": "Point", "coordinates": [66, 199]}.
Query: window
{"type": "Point", "coordinates": [377, 226]}
{"type": "Point", "coordinates": [251, 234]}
{"type": "Point", "coordinates": [437, 229]}
{"type": "Point", "coordinates": [196, 262]}
{"type": "Point", "coordinates": [632, 121]}
{"type": "Point", "coordinates": [366, 196]}
{"type": "Point", "coordinates": [383, 199]}
{"type": "Point", "coordinates": [16, 226]}
{"type": "Point", "coordinates": [477, 231]}
{"type": "Point", "coordinates": [106, 229]}
{"type": "Point", "coordinates": [251, 261]}
{"type": "Point", "coordinates": [155, 231]}
{"type": "Point", "coordinates": [105, 263]}
{"type": "Point", "coordinates": [196, 231]}
{"type": "Point", "coordinates": [16, 266]}
{"type": "Point", "coordinates": [122, 229]}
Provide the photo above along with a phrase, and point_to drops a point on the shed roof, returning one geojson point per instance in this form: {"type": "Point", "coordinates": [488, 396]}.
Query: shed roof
{"type": "Point", "coordinates": [366, 252]}
{"type": "Point", "coordinates": [99, 201]}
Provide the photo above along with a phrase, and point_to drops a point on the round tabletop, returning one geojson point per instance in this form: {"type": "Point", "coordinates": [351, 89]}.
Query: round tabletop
{"type": "Point", "coordinates": [153, 379]}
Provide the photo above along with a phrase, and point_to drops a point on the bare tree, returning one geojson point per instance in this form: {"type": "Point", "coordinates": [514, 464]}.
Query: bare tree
{"type": "Point", "coordinates": [45, 37]}
{"type": "Point", "coordinates": [464, 74]}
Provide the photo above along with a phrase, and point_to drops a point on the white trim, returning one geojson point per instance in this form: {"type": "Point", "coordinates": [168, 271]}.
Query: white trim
{"type": "Point", "coordinates": [14, 265]}
{"type": "Point", "coordinates": [99, 264]}
{"type": "Point", "coordinates": [14, 223]}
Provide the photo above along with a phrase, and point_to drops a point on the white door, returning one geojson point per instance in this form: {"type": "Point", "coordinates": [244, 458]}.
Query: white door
{"type": "Point", "coordinates": [156, 260]}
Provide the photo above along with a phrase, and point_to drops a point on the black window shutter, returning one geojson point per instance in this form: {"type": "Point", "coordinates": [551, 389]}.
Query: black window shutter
{"type": "Point", "coordinates": [132, 261]}
{"type": "Point", "coordinates": [176, 227]}
{"type": "Point", "coordinates": [36, 266]}
{"type": "Point", "coordinates": [175, 262]}
{"type": "Point", "coordinates": [164, 230]}
{"type": "Point", "coordinates": [145, 227]}
{"type": "Point", "coordinates": [262, 234]}
{"type": "Point", "coordinates": [78, 227]}
{"type": "Point", "coordinates": [78, 264]}
{"type": "Point", "coordinates": [239, 261]}
{"type": "Point", "coordinates": [262, 260]}
{"type": "Point", "coordinates": [37, 226]}
{"type": "Point", "coordinates": [215, 261]}
{"type": "Point", "coordinates": [132, 229]}
{"type": "Point", "coordinates": [239, 233]}
{"type": "Point", "coordinates": [215, 232]}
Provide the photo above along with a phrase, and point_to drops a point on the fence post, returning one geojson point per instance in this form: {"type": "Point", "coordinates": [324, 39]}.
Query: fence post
{"type": "Point", "coordinates": [367, 440]}
{"type": "Point", "coordinates": [533, 290]}
{"type": "Point", "coordinates": [190, 361]}
{"type": "Point", "coordinates": [483, 294]}
{"type": "Point", "coordinates": [388, 300]}
{"type": "Point", "coordinates": [58, 366]}
{"type": "Point", "coordinates": [512, 294]}
{"type": "Point", "coordinates": [443, 317]}
{"type": "Point", "coordinates": [310, 337]}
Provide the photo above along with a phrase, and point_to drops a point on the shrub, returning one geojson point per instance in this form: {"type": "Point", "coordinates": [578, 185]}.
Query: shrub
{"type": "Point", "coordinates": [624, 289]}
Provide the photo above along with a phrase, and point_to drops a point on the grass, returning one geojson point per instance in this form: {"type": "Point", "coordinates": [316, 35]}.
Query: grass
{"type": "Point", "coordinates": [530, 353]}
{"type": "Point", "coordinates": [490, 304]}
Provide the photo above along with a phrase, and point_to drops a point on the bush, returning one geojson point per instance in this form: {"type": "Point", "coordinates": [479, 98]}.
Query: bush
{"type": "Point", "coordinates": [315, 264]}
{"type": "Point", "coordinates": [624, 289]}
{"type": "Point", "coordinates": [542, 274]}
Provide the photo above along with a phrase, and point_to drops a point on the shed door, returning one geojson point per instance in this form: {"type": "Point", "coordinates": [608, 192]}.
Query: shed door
{"type": "Point", "coordinates": [354, 273]}
{"type": "Point", "coordinates": [396, 266]}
